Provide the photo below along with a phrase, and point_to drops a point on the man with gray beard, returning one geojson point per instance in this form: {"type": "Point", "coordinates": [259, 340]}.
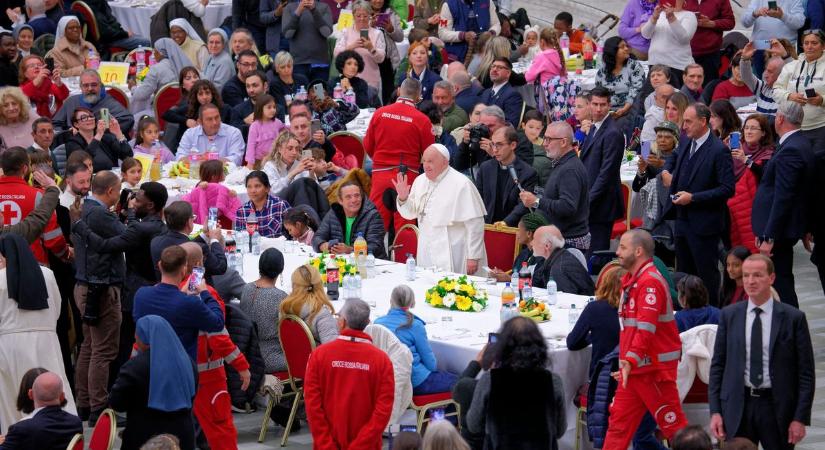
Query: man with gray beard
{"type": "Point", "coordinates": [94, 97]}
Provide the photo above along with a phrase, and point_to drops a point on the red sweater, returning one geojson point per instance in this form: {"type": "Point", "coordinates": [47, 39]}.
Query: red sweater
{"type": "Point", "coordinates": [398, 130]}
{"type": "Point", "coordinates": [649, 339]}
{"type": "Point", "coordinates": [349, 391]}
{"type": "Point", "coordinates": [727, 90]}
{"type": "Point", "coordinates": [709, 40]}
{"type": "Point", "coordinates": [40, 95]}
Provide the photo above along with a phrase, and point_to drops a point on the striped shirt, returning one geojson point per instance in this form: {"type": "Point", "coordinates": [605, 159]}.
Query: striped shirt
{"type": "Point", "coordinates": [763, 92]}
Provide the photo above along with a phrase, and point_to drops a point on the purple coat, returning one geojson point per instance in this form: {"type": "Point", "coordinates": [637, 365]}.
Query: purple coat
{"type": "Point", "coordinates": [632, 17]}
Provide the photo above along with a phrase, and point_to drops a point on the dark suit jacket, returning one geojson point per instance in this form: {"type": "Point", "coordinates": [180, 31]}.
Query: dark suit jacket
{"type": "Point", "coordinates": [214, 259]}
{"type": "Point", "coordinates": [468, 98]}
{"type": "Point", "coordinates": [710, 179]}
{"type": "Point", "coordinates": [233, 92]}
{"type": "Point", "coordinates": [508, 99]}
{"type": "Point", "coordinates": [50, 429]}
{"type": "Point", "coordinates": [491, 194]}
{"type": "Point", "coordinates": [791, 366]}
{"type": "Point", "coordinates": [780, 207]}
{"type": "Point", "coordinates": [602, 155]}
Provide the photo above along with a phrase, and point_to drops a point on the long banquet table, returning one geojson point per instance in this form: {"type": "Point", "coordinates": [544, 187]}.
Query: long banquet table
{"type": "Point", "coordinates": [136, 15]}
{"type": "Point", "coordinates": [456, 337]}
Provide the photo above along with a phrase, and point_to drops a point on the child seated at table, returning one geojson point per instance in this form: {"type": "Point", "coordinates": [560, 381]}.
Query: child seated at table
{"type": "Point", "coordinates": [147, 140]}
{"type": "Point", "coordinates": [209, 192]}
{"type": "Point", "coordinates": [300, 225]}
{"type": "Point", "coordinates": [263, 131]}
{"type": "Point", "coordinates": [547, 63]}
{"type": "Point", "coordinates": [326, 173]}
{"type": "Point", "coordinates": [531, 46]}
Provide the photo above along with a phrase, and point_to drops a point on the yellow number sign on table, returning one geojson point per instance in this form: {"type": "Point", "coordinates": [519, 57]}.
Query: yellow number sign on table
{"type": "Point", "coordinates": [113, 73]}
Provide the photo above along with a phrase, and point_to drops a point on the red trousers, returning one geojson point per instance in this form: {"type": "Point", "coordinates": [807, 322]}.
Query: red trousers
{"type": "Point", "coordinates": [381, 181]}
{"type": "Point", "coordinates": [644, 393]}
{"type": "Point", "coordinates": [213, 409]}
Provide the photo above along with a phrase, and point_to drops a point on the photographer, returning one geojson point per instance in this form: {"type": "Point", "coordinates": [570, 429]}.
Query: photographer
{"type": "Point", "coordinates": [476, 147]}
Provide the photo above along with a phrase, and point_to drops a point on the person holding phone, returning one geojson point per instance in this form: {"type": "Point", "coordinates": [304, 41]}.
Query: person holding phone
{"type": "Point", "coordinates": [107, 145]}
{"type": "Point", "coordinates": [42, 85]}
{"type": "Point", "coordinates": [796, 80]}
{"type": "Point", "coordinates": [368, 41]}
{"type": "Point", "coordinates": [772, 19]}
{"type": "Point", "coordinates": [70, 49]}
{"type": "Point", "coordinates": [734, 88]}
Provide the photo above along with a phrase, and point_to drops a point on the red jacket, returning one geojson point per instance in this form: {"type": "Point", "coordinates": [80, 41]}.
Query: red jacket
{"type": "Point", "coordinates": [40, 95]}
{"type": "Point", "coordinates": [395, 131]}
{"type": "Point", "coordinates": [740, 206]}
{"type": "Point", "coordinates": [349, 389]}
{"type": "Point", "coordinates": [649, 339]}
{"type": "Point", "coordinates": [17, 200]}
{"type": "Point", "coordinates": [709, 40]}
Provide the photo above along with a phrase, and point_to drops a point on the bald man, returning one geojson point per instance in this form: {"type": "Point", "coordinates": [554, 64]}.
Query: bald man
{"type": "Point", "coordinates": [566, 266]}
{"type": "Point", "coordinates": [49, 426]}
{"type": "Point", "coordinates": [212, 404]}
{"type": "Point", "coordinates": [450, 214]}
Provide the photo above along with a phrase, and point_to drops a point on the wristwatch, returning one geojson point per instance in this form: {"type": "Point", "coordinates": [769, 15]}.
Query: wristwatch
{"type": "Point", "coordinates": [536, 203]}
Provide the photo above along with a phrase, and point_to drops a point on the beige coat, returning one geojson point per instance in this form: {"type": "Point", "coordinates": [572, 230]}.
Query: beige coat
{"type": "Point", "coordinates": [71, 59]}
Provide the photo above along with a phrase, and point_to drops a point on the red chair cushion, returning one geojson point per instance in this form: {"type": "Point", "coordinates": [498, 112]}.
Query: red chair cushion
{"type": "Point", "coordinates": [349, 145]}
{"type": "Point", "coordinates": [583, 400]}
{"type": "Point", "coordinates": [636, 222]}
{"type": "Point", "coordinates": [619, 228]}
{"type": "Point", "coordinates": [79, 445]}
{"type": "Point", "coordinates": [698, 393]}
{"type": "Point", "coordinates": [500, 249]}
{"type": "Point", "coordinates": [426, 399]}
{"type": "Point", "coordinates": [119, 96]}
{"type": "Point", "coordinates": [100, 435]}
{"type": "Point", "coordinates": [281, 375]}
{"type": "Point", "coordinates": [406, 242]}
{"type": "Point", "coordinates": [168, 98]}
{"type": "Point", "coordinates": [296, 345]}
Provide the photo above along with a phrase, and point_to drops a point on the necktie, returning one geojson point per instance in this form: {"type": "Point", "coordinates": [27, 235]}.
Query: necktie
{"type": "Point", "coordinates": [692, 148]}
{"type": "Point", "coordinates": [756, 350]}
{"type": "Point", "coordinates": [590, 134]}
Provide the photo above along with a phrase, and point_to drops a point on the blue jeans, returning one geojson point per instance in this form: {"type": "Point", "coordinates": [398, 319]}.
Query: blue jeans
{"type": "Point", "coordinates": [435, 383]}
{"type": "Point", "coordinates": [131, 43]}
{"type": "Point", "coordinates": [645, 437]}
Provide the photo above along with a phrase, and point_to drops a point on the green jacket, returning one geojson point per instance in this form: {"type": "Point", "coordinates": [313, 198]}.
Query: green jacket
{"type": "Point", "coordinates": [453, 118]}
{"type": "Point", "coordinates": [541, 163]}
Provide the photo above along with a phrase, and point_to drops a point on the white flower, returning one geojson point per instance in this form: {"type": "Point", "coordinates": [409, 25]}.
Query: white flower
{"type": "Point", "coordinates": [477, 307]}
{"type": "Point", "coordinates": [449, 300]}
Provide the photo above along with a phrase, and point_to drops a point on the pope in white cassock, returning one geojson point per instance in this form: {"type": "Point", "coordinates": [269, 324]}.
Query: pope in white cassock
{"type": "Point", "coordinates": [29, 308]}
{"type": "Point", "coordinates": [450, 214]}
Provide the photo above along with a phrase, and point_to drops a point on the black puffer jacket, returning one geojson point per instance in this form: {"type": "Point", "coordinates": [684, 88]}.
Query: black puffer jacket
{"type": "Point", "coordinates": [245, 335]}
{"type": "Point", "coordinates": [368, 222]}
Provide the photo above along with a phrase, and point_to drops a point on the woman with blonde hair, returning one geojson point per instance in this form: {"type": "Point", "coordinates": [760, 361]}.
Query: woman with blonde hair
{"type": "Point", "coordinates": [442, 435]}
{"type": "Point", "coordinates": [283, 164]}
{"type": "Point", "coordinates": [16, 118]}
{"type": "Point", "coordinates": [675, 108]}
{"type": "Point", "coordinates": [309, 301]}
{"type": "Point", "coordinates": [497, 47]}
{"type": "Point", "coordinates": [419, 70]}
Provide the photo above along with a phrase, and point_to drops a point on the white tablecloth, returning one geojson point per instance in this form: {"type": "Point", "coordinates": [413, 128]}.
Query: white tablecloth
{"type": "Point", "coordinates": [456, 337]}
{"type": "Point", "coordinates": [136, 15]}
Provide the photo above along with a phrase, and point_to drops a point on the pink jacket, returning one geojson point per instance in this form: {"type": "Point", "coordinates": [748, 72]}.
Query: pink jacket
{"type": "Point", "coordinates": [261, 137]}
{"type": "Point", "coordinates": [546, 64]}
{"type": "Point", "coordinates": [216, 195]}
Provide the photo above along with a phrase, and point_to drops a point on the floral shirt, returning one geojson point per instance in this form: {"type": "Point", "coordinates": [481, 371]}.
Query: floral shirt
{"type": "Point", "coordinates": [336, 119]}
{"type": "Point", "coordinates": [270, 217]}
{"type": "Point", "coordinates": [626, 86]}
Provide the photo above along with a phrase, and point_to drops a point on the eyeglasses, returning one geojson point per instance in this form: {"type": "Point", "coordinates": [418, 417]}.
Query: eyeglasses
{"type": "Point", "coordinates": [84, 118]}
{"type": "Point", "coordinates": [546, 140]}
{"type": "Point", "coordinates": [248, 64]}
{"type": "Point", "coordinates": [35, 66]}
{"type": "Point", "coordinates": [499, 67]}
{"type": "Point", "coordinates": [500, 145]}
{"type": "Point", "coordinates": [90, 85]}
{"type": "Point", "coordinates": [812, 31]}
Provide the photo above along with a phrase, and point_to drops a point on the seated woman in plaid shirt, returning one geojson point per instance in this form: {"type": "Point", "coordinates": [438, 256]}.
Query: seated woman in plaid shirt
{"type": "Point", "coordinates": [269, 210]}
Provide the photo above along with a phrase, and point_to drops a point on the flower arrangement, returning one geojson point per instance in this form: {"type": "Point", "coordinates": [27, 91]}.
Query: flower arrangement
{"type": "Point", "coordinates": [344, 266]}
{"type": "Point", "coordinates": [458, 294]}
{"type": "Point", "coordinates": [142, 74]}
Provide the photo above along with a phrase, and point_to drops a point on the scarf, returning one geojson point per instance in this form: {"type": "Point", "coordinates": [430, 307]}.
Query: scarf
{"type": "Point", "coordinates": [758, 155]}
{"type": "Point", "coordinates": [171, 381]}
{"type": "Point", "coordinates": [647, 7]}
{"type": "Point", "coordinates": [193, 42]}
{"type": "Point", "coordinates": [174, 53]}
{"type": "Point", "coordinates": [24, 278]}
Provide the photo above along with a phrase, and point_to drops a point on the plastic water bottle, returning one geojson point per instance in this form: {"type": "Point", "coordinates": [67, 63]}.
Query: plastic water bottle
{"type": "Point", "coordinates": [370, 265]}
{"type": "Point", "coordinates": [239, 261]}
{"type": "Point", "coordinates": [92, 60]}
{"type": "Point", "coordinates": [573, 315]}
{"type": "Point", "coordinates": [301, 94]}
{"type": "Point", "coordinates": [152, 59]}
{"type": "Point", "coordinates": [410, 267]}
{"type": "Point", "coordinates": [349, 96]}
{"type": "Point", "coordinates": [140, 60]}
{"type": "Point", "coordinates": [564, 43]}
{"type": "Point", "coordinates": [338, 91]}
{"type": "Point", "coordinates": [256, 243]}
{"type": "Point", "coordinates": [356, 286]}
{"type": "Point", "coordinates": [514, 278]}
{"type": "Point", "coordinates": [552, 290]}
{"type": "Point", "coordinates": [508, 303]}
{"type": "Point", "coordinates": [194, 164]}
{"type": "Point", "coordinates": [242, 241]}
{"type": "Point", "coordinates": [359, 247]}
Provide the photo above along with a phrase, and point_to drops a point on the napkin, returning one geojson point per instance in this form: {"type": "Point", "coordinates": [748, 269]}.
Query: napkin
{"type": "Point", "coordinates": [237, 176]}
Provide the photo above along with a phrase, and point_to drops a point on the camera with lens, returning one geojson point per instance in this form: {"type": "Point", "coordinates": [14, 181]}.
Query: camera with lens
{"type": "Point", "coordinates": [478, 132]}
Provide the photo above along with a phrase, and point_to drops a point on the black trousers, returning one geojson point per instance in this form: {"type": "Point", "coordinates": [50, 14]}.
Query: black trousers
{"type": "Point", "coordinates": [710, 63]}
{"type": "Point", "coordinates": [699, 255]}
{"type": "Point", "coordinates": [783, 268]}
{"type": "Point", "coordinates": [600, 236]}
{"type": "Point", "coordinates": [759, 424]}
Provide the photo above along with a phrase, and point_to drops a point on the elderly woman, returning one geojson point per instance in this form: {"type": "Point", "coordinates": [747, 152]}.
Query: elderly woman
{"type": "Point", "coordinates": [366, 40]}
{"type": "Point", "coordinates": [70, 49]}
{"type": "Point", "coordinates": [670, 30]}
{"type": "Point", "coordinates": [16, 118]}
{"type": "Point", "coordinates": [187, 38]}
{"type": "Point", "coordinates": [354, 214]}
{"type": "Point", "coordinates": [307, 24]}
{"type": "Point", "coordinates": [219, 66]}
{"type": "Point", "coordinates": [621, 74]}
{"type": "Point", "coordinates": [349, 64]}
{"type": "Point", "coordinates": [261, 301]}
{"type": "Point", "coordinates": [171, 60]}
{"type": "Point", "coordinates": [283, 81]}
{"type": "Point", "coordinates": [807, 72]}
{"type": "Point", "coordinates": [419, 70]}
{"type": "Point", "coordinates": [24, 36]}
{"type": "Point", "coordinates": [635, 14]}
{"type": "Point", "coordinates": [41, 87]}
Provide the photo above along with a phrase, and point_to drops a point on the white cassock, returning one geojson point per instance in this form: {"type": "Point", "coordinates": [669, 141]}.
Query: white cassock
{"type": "Point", "coordinates": [450, 216]}
{"type": "Point", "coordinates": [27, 340]}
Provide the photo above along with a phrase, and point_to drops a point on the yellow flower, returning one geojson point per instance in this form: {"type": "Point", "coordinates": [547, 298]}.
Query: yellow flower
{"type": "Point", "coordinates": [442, 284]}
{"type": "Point", "coordinates": [435, 299]}
{"type": "Point", "coordinates": [323, 277]}
{"type": "Point", "coordinates": [463, 303]}
{"type": "Point", "coordinates": [341, 263]}
{"type": "Point", "coordinates": [469, 289]}
{"type": "Point", "coordinates": [450, 286]}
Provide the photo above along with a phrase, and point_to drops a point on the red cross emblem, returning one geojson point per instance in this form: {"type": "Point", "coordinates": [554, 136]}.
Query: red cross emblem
{"type": "Point", "coordinates": [10, 213]}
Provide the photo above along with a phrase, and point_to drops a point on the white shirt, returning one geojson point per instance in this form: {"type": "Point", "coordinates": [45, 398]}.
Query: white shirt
{"type": "Point", "coordinates": [765, 317]}
{"type": "Point", "coordinates": [701, 141]}
{"type": "Point", "coordinates": [787, 135]}
{"type": "Point", "coordinates": [599, 123]}
{"type": "Point", "coordinates": [670, 42]}
{"type": "Point", "coordinates": [496, 87]}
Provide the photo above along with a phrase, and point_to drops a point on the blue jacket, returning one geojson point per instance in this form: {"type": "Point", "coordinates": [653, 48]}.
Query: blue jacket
{"type": "Point", "coordinates": [602, 155]}
{"type": "Point", "coordinates": [508, 99]}
{"type": "Point", "coordinates": [599, 396]}
{"type": "Point", "coordinates": [414, 337]}
{"type": "Point", "coordinates": [689, 318]}
{"type": "Point", "coordinates": [187, 314]}
{"type": "Point", "coordinates": [460, 11]}
{"type": "Point", "coordinates": [428, 82]}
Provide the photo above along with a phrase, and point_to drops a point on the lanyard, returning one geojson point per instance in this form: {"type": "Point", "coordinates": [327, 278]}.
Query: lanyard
{"type": "Point", "coordinates": [809, 75]}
